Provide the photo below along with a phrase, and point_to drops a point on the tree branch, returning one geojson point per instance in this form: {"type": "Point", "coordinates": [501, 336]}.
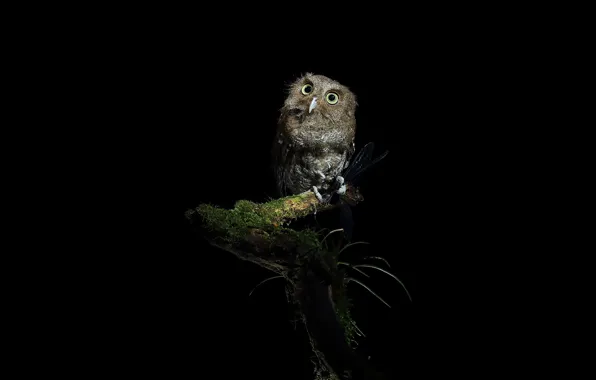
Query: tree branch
{"type": "Point", "coordinates": [256, 231]}
{"type": "Point", "coordinates": [259, 233]}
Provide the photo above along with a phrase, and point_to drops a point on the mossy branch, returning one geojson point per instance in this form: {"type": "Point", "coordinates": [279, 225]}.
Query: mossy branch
{"type": "Point", "coordinates": [257, 231]}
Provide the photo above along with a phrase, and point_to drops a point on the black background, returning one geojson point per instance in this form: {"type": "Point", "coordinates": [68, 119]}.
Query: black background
{"type": "Point", "coordinates": [223, 156]}
{"type": "Point", "coordinates": [210, 142]}
{"type": "Point", "coordinates": [190, 121]}
{"type": "Point", "coordinates": [143, 113]}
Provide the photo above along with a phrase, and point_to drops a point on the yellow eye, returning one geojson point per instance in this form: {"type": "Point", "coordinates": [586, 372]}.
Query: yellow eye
{"type": "Point", "coordinates": [307, 89]}
{"type": "Point", "coordinates": [332, 98]}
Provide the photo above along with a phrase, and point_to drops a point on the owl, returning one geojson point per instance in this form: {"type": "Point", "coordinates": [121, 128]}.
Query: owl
{"type": "Point", "coordinates": [315, 137]}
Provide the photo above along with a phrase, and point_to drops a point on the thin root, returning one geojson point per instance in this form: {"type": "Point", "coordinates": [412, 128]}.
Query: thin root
{"type": "Point", "coordinates": [390, 274]}
{"type": "Point", "coordinates": [262, 282]}
{"type": "Point", "coordinates": [351, 244]}
{"type": "Point", "coordinates": [358, 331]}
{"type": "Point", "coordinates": [326, 236]}
{"type": "Point", "coordinates": [378, 258]}
{"type": "Point", "coordinates": [350, 265]}
{"type": "Point", "coordinates": [348, 279]}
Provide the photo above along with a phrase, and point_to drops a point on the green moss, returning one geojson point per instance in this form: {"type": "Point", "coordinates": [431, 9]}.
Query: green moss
{"type": "Point", "coordinates": [269, 218]}
{"type": "Point", "coordinates": [230, 225]}
{"type": "Point", "coordinates": [233, 225]}
{"type": "Point", "coordinates": [342, 307]}
{"type": "Point", "coordinates": [350, 330]}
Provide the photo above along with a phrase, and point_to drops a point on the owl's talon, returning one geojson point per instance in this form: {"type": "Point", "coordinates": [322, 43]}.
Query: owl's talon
{"type": "Point", "coordinates": [342, 186]}
{"type": "Point", "coordinates": [317, 194]}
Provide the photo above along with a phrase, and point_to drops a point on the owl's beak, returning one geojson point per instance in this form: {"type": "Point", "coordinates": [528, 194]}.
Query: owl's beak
{"type": "Point", "coordinates": [313, 104]}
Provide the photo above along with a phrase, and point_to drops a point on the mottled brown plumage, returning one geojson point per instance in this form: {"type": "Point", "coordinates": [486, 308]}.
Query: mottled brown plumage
{"type": "Point", "coordinates": [315, 137]}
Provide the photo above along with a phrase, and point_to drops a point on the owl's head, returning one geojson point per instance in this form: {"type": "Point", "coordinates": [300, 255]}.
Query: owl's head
{"type": "Point", "coordinates": [318, 95]}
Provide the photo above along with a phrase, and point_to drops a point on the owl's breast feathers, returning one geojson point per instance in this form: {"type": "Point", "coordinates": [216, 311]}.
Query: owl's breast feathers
{"type": "Point", "coordinates": [317, 131]}
{"type": "Point", "coordinates": [308, 156]}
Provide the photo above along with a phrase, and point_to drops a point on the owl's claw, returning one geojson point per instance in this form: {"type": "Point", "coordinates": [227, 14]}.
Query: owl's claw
{"type": "Point", "coordinates": [317, 194]}
{"type": "Point", "coordinates": [341, 185]}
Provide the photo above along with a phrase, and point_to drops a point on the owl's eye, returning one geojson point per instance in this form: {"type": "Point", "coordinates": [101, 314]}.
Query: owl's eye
{"type": "Point", "coordinates": [332, 98]}
{"type": "Point", "coordinates": [307, 89]}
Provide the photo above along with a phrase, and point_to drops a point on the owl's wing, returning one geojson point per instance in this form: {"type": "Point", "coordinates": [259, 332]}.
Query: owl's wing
{"type": "Point", "coordinates": [362, 161]}
{"type": "Point", "coordinates": [282, 158]}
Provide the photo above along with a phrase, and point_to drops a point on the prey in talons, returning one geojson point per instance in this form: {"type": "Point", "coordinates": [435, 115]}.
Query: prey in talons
{"type": "Point", "coordinates": [342, 185]}
{"type": "Point", "coordinates": [339, 187]}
